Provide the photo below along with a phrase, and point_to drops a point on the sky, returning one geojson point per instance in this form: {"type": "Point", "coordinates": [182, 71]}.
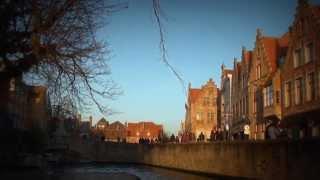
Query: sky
{"type": "Point", "coordinates": [200, 35]}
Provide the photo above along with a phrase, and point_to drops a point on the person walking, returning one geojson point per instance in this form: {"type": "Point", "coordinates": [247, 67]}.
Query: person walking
{"type": "Point", "coordinates": [272, 131]}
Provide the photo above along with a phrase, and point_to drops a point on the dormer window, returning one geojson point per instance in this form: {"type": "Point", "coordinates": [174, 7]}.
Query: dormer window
{"type": "Point", "coordinates": [308, 53]}
{"type": "Point", "coordinates": [297, 58]}
{"type": "Point", "coordinates": [258, 71]}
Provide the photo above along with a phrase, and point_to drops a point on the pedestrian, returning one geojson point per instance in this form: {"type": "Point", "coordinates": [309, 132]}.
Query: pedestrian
{"type": "Point", "coordinates": [219, 134]}
{"type": "Point", "coordinates": [272, 131]}
{"type": "Point", "coordinates": [212, 135]}
{"type": "Point", "coordinates": [172, 138]}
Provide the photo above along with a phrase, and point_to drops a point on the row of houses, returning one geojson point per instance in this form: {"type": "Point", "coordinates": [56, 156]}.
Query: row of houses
{"type": "Point", "coordinates": [128, 132]}
{"type": "Point", "coordinates": [277, 81]}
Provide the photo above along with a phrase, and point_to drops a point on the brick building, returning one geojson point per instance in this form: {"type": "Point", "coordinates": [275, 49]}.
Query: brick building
{"type": "Point", "coordinates": [102, 124]}
{"type": "Point", "coordinates": [115, 132]}
{"type": "Point", "coordinates": [226, 98]}
{"type": "Point", "coordinates": [264, 82]}
{"type": "Point", "coordinates": [240, 94]}
{"type": "Point", "coordinates": [146, 130]}
{"type": "Point", "coordinates": [300, 78]}
{"type": "Point", "coordinates": [202, 109]}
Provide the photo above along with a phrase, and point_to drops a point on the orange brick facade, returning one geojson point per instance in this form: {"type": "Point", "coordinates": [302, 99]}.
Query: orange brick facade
{"type": "Point", "coordinates": [145, 130]}
{"type": "Point", "coordinates": [202, 109]}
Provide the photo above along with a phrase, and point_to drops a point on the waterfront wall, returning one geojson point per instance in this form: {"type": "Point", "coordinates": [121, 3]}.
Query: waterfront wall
{"type": "Point", "coordinates": [259, 160]}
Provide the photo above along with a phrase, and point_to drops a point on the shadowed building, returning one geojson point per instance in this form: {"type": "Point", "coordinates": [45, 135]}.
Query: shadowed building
{"type": "Point", "coordinates": [240, 94]}
{"type": "Point", "coordinates": [300, 78]}
{"type": "Point", "coordinates": [264, 82]}
{"type": "Point", "coordinates": [85, 128]}
{"type": "Point", "coordinates": [225, 97]}
{"type": "Point", "coordinates": [28, 106]}
{"type": "Point", "coordinates": [146, 130]}
{"type": "Point", "coordinates": [202, 109]}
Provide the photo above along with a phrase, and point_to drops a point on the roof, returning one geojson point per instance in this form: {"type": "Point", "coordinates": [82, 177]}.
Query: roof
{"type": "Point", "coordinates": [194, 94]}
{"type": "Point", "coordinates": [247, 56]}
{"type": "Point", "coordinates": [115, 124]}
{"type": "Point", "coordinates": [270, 45]}
{"type": "Point", "coordinates": [283, 42]}
{"type": "Point", "coordinates": [102, 121]}
{"type": "Point", "coordinates": [238, 66]}
{"type": "Point", "coordinates": [274, 48]}
{"type": "Point", "coordinates": [227, 71]}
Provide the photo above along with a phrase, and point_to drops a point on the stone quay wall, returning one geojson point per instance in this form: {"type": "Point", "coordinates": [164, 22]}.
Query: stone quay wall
{"type": "Point", "coordinates": [248, 159]}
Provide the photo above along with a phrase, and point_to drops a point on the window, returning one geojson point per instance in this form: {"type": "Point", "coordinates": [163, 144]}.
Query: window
{"type": "Point", "coordinates": [210, 116]}
{"type": "Point", "coordinates": [255, 102]}
{"type": "Point", "coordinates": [243, 81]}
{"type": "Point", "coordinates": [268, 96]}
{"type": "Point", "coordinates": [214, 102]}
{"type": "Point", "coordinates": [298, 91]}
{"type": "Point", "coordinates": [309, 52]}
{"type": "Point", "coordinates": [258, 71]}
{"type": "Point", "coordinates": [287, 95]}
{"type": "Point", "coordinates": [243, 105]}
{"type": "Point", "coordinates": [277, 97]}
{"type": "Point", "coordinates": [12, 84]}
{"type": "Point", "coordinates": [264, 97]}
{"type": "Point", "coordinates": [206, 101]}
{"type": "Point", "coordinates": [297, 58]}
{"type": "Point", "coordinates": [281, 60]}
{"type": "Point", "coordinates": [310, 86]}
{"type": "Point", "coordinates": [198, 116]}
{"type": "Point", "coordinates": [237, 110]}
{"type": "Point", "coordinates": [247, 104]}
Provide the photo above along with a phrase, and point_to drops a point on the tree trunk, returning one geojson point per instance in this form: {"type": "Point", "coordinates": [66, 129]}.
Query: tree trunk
{"type": "Point", "coordinates": [4, 96]}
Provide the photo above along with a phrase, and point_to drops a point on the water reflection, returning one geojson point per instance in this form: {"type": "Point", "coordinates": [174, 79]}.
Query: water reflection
{"type": "Point", "coordinates": [107, 171]}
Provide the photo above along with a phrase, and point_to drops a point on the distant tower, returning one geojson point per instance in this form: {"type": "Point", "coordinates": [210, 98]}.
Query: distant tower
{"type": "Point", "coordinates": [222, 67]}
{"type": "Point", "coordinates": [259, 33]}
{"type": "Point", "coordinates": [90, 121]}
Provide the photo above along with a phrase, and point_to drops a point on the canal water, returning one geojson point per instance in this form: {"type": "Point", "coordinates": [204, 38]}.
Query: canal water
{"type": "Point", "coordinates": [106, 172]}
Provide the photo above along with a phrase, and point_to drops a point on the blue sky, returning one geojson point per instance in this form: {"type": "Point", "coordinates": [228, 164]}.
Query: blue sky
{"type": "Point", "coordinates": [200, 35]}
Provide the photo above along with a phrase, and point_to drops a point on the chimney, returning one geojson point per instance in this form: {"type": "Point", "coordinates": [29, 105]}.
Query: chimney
{"type": "Point", "coordinates": [259, 33]}
{"type": "Point", "coordinates": [222, 67]}
{"type": "Point", "coordinates": [243, 49]}
{"type": "Point", "coordinates": [90, 121]}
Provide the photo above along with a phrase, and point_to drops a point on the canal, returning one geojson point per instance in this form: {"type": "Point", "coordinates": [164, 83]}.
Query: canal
{"type": "Point", "coordinates": [103, 172]}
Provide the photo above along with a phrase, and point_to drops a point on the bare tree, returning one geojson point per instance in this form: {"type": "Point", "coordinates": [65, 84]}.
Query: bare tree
{"type": "Point", "coordinates": [158, 14]}
{"type": "Point", "coordinates": [55, 41]}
